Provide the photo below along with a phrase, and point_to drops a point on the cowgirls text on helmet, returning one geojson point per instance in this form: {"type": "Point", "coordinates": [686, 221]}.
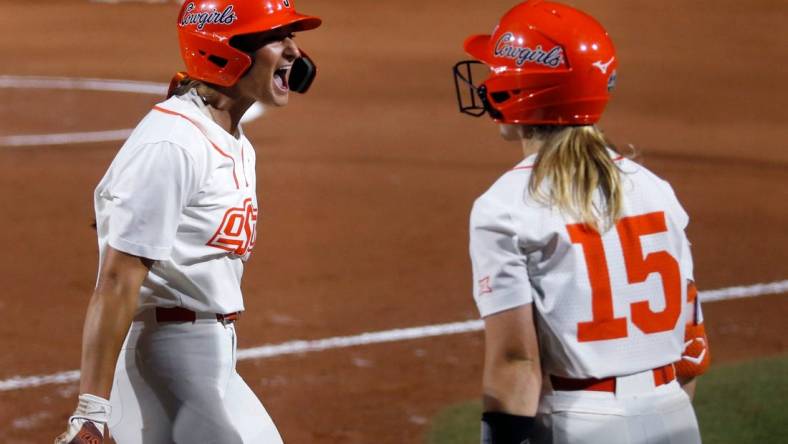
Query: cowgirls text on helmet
{"type": "Point", "coordinates": [549, 64]}
{"type": "Point", "coordinates": [206, 29]}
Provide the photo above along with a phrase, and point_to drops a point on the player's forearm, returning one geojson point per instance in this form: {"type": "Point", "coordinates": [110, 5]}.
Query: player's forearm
{"type": "Point", "coordinates": [512, 385]}
{"type": "Point", "coordinates": [108, 318]}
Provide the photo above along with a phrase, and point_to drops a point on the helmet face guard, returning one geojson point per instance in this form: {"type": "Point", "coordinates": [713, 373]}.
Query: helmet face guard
{"type": "Point", "coordinates": [475, 101]}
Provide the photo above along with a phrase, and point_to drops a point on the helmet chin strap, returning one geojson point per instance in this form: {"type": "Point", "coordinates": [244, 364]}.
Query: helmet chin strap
{"type": "Point", "coordinates": [492, 111]}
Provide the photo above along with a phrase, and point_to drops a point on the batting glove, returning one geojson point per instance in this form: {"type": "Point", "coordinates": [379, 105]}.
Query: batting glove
{"type": "Point", "coordinates": [87, 423]}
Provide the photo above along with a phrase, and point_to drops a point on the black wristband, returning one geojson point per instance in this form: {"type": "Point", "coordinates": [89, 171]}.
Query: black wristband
{"type": "Point", "coordinates": [503, 428]}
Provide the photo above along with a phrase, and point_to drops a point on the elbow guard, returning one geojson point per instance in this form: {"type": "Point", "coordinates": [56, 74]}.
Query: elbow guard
{"type": "Point", "coordinates": [695, 359]}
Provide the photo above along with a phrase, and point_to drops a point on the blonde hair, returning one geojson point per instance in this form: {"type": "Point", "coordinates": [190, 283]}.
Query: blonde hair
{"type": "Point", "coordinates": [572, 164]}
{"type": "Point", "coordinates": [182, 84]}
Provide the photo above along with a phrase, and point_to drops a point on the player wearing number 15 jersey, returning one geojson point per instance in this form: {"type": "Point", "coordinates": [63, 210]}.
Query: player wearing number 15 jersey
{"type": "Point", "coordinates": [582, 270]}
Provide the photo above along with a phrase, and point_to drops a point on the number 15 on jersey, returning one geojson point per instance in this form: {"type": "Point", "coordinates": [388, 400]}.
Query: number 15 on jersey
{"type": "Point", "coordinates": [604, 325]}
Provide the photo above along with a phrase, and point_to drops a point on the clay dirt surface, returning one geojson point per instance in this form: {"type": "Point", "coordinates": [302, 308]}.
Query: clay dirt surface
{"type": "Point", "coordinates": [365, 186]}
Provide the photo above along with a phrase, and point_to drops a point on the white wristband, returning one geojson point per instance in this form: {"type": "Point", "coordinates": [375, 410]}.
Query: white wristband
{"type": "Point", "coordinates": [92, 408]}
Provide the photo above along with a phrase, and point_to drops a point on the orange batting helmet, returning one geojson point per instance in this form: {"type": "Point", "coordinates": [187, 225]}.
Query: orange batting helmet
{"type": "Point", "coordinates": [206, 27]}
{"type": "Point", "coordinates": [550, 64]}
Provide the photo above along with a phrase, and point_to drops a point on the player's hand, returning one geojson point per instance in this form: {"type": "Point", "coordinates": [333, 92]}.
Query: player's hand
{"type": "Point", "coordinates": [88, 433]}
{"type": "Point", "coordinates": [86, 425]}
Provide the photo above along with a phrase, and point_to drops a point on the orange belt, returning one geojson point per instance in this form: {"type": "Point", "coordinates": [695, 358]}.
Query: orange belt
{"type": "Point", "coordinates": [180, 314]}
{"type": "Point", "coordinates": [662, 375]}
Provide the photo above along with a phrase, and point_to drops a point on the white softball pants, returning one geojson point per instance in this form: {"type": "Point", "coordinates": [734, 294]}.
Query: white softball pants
{"type": "Point", "coordinates": [176, 383]}
{"type": "Point", "coordinates": [638, 413]}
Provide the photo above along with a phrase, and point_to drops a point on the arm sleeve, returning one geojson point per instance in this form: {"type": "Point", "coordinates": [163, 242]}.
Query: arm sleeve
{"type": "Point", "coordinates": [693, 301]}
{"type": "Point", "coordinates": [696, 357]}
{"type": "Point", "coordinates": [149, 193]}
{"type": "Point", "coordinates": [500, 275]}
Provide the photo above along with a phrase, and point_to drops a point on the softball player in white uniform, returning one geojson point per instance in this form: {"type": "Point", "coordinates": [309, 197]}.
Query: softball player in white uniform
{"type": "Point", "coordinates": [581, 267]}
{"type": "Point", "coordinates": [176, 216]}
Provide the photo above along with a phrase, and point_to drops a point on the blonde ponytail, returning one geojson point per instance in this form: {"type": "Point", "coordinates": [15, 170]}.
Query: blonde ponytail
{"type": "Point", "coordinates": [181, 83]}
{"type": "Point", "coordinates": [572, 164]}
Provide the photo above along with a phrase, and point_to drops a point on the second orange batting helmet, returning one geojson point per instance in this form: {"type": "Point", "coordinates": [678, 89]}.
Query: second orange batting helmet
{"type": "Point", "coordinates": [549, 64]}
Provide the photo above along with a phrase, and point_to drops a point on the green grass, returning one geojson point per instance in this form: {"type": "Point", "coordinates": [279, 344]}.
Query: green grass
{"type": "Point", "coordinates": [457, 424]}
{"type": "Point", "coordinates": [744, 403]}
{"type": "Point", "coordinates": [736, 404]}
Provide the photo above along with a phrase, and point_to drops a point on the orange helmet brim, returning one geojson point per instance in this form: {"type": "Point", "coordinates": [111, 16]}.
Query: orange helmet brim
{"type": "Point", "coordinates": [476, 46]}
{"type": "Point", "coordinates": [296, 22]}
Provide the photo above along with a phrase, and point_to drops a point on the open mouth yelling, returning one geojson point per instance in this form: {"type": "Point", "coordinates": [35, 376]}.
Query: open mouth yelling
{"type": "Point", "coordinates": [280, 78]}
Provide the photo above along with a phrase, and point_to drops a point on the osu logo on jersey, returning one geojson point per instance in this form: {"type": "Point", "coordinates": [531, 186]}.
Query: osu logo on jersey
{"type": "Point", "coordinates": [238, 230]}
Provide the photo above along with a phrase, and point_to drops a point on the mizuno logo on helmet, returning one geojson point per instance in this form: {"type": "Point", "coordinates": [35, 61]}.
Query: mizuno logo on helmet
{"type": "Point", "coordinates": [287, 3]}
{"type": "Point", "coordinates": [214, 17]}
{"type": "Point", "coordinates": [505, 48]}
{"type": "Point", "coordinates": [603, 66]}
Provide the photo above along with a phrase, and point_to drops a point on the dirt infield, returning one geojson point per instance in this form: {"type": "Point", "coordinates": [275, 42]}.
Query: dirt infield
{"type": "Point", "coordinates": [365, 187]}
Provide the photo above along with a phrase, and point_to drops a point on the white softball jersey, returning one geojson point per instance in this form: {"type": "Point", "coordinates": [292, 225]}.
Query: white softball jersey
{"type": "Point", "coordinates": [181, 191]}
{"type": "Point", "coordinates": [607, 304]}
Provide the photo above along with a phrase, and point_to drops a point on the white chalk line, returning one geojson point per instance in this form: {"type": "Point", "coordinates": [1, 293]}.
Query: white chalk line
{"type": "Point", "coordinates": [401, 334]}
{"type": "Point", "coordinates": [65, 138]}
{"type": "Point", "coordinates": [83, 84]}
{"type": "Point", "coordinates": [87, 84]}
{"type": "Point", "coordinates": [743, 291]}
